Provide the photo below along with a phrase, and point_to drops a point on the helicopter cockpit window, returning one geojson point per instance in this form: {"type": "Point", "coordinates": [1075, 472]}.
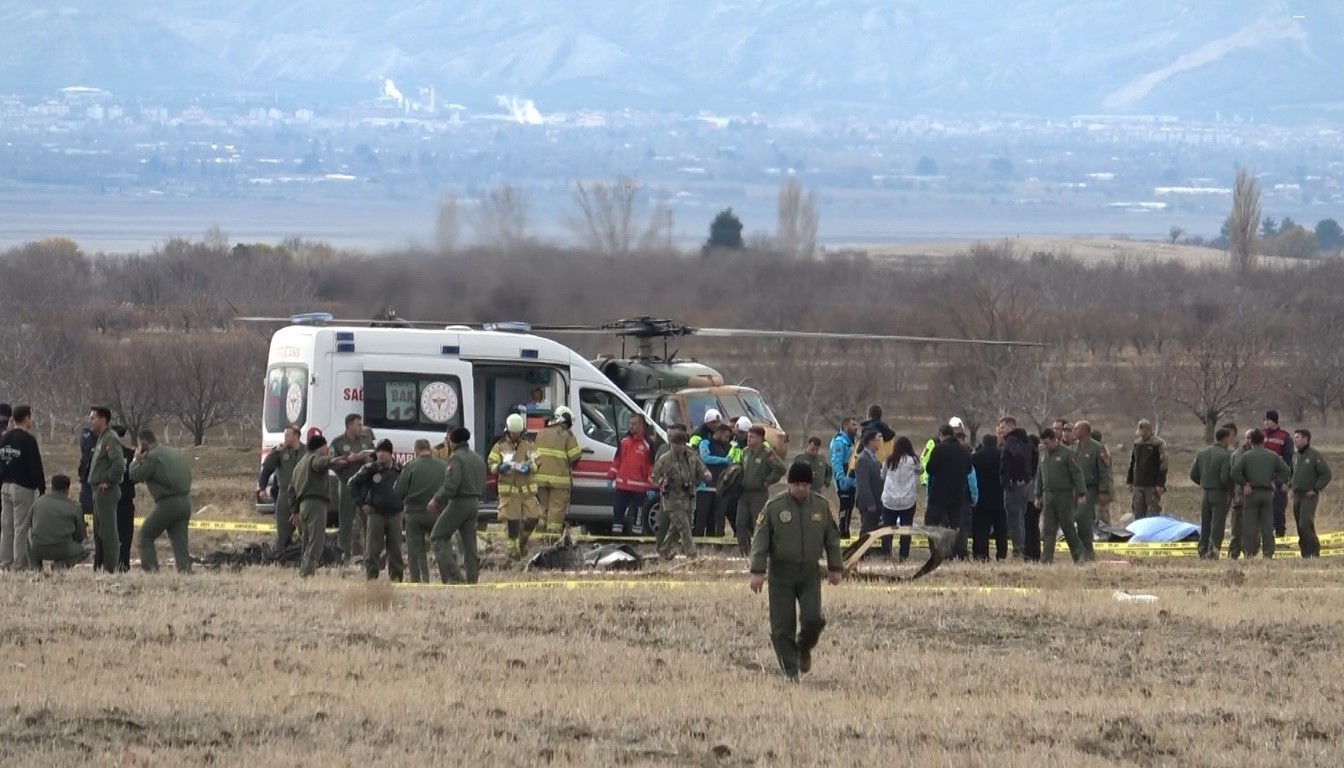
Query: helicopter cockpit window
{"type": "Point", "coordinates": [699, 404]}
{"type": "Point", "coordinates": [604, 416]}
{"type": "Point", "coordinates": [670, 413]}
{"type": "Point", "coordinates": [757, 410]}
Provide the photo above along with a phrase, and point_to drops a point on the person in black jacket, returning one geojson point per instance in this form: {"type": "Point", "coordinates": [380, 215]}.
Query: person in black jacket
{"type": "Point", "coordinates": [1017, 470]}
{"type": "Point", "coordinates": [23, 482]}
{"type": "Point", "coordinates": [949, 469]}
{"type": "Point", "coordinates": [125, 510]}
{"type": "Point", "coordinates": [868, 483]}
{"type": "Point", "coordinates": [373, 488]}
{"type": "Point", "coordinates": [988, 514]}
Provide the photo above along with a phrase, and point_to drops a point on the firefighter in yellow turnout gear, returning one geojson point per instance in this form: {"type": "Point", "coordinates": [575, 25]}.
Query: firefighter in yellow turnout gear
{"type": "Point", "coordinates": [557, 453]}
{"type": "Point", "coordinates": [513, 462]}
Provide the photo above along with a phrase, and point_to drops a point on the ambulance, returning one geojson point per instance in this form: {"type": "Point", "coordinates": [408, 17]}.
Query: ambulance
{"type": "Point", "coordinates": [420, 382]}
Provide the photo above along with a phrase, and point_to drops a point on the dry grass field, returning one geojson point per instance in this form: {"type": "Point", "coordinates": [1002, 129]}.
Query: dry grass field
{"type": "Point", "coordinates": [1233, 665]}
{"type": "Point", "coordinates": [1228, 668]}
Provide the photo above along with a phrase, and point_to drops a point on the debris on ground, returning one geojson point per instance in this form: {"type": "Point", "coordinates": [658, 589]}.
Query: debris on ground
{"type": "Point", "coordinates": [565, 555]}
{"type": "Point", "coordinates": [1124, 596]}
{"type": "Point", "coordinates": [263, 553]}
{"type": "Point", "coordinates": [941, 543]}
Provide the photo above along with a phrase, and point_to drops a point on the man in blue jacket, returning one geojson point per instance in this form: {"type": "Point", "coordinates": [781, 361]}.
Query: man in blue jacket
{"type": "Point", "coordinates": [842, 447]}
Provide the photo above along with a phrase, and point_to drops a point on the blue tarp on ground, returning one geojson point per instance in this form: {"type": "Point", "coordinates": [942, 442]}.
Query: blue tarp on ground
{"type": "Point", "coordinates": [1160, 529]}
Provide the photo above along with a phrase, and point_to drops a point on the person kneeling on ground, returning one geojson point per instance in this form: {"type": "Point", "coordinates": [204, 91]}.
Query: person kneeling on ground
{"type": "Point", "coordinates": [57, 532]}
{"type": "Point", "coordinates": [792, 532]}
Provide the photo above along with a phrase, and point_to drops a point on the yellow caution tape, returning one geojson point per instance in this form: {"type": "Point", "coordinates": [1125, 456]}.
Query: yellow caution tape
{"type": "Point", "coordinates": [575, 584]}
{"type": "Point", "coordinates": [1332, 544]}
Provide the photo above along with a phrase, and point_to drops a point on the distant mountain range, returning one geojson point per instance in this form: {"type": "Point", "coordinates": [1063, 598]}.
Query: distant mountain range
{"type": "Point", "coordinates": [1256, 58]}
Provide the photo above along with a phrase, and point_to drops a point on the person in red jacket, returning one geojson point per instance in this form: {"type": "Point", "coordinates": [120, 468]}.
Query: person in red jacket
{"type": "Point", "coordinates": [1279, 443]}
{"type": "Point", "coordinates": [630, 475]}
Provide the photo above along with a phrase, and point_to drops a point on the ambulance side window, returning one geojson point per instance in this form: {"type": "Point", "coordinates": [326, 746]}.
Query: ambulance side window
{"type": "Point", "coordinates": [426, 402]}
{"type": "Point", "coordinates": [604, 416]}
{"type": "Point", "coordinates": [286, 397]}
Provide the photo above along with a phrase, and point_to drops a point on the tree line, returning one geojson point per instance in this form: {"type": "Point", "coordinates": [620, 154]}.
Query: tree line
{"type": "Point", "coordinates": [152, 335]}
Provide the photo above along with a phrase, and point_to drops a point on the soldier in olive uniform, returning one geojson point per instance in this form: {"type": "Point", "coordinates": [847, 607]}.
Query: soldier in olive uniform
{"type": "Point", "coordinates": [58, 531]}
{"type": "Point", "coordinates": [1310, 476]}
{"type": "Point", "coordinates": [280, 463]}
{"type": "Point", "coordinates": [355, 446]}
{"type": "Point", "coordinates": [1147, 476]}
{"type": "Point", "coordinates": [512, 461]}
{"type": "Point", "coordinates": [313, 496]}
{"type": "Point", "coordinates": [823, 475]}
{"type": "Point", "coordinates": [761, 468]}
{"type": "Point", "coordinates": [1259, 471]}
{"type": "Point", "coordinates": [167, 475]}
{"type": "Point", "coordinates": [416, 486]}
{"type": "Point", "coordinates": [1212, 473]}
{"type": "Point", "coordinates": [458, 505]}
{"type": "Point", "coordinates": [374, 489]}
{"type": "Point", "coordinates": [1059, 491]}
{"type": "Point", "coordinates": [678, 473]}
{"type": "Point", "coordinates": [1095, 463]}
{"type": "Point", "coordinates": [792, 532]}
{"type": "Point", "coordinates": [107, 464]}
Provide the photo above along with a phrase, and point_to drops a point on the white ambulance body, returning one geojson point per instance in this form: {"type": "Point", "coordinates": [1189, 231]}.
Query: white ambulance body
{"type": "Point", "coordinates": [411, 383]}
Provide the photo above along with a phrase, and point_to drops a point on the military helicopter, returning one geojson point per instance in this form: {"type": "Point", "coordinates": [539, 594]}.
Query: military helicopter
{"type": "Point", "coordinates": [682, 391]}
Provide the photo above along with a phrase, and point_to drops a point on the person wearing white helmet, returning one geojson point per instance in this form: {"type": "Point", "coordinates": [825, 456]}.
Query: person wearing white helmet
{"type": "Point", "coordinates": [706, 430]}
{"type": "Point", "coordinates": [558, 453]}
{"type": "Point", "coordinates": [513, 461]}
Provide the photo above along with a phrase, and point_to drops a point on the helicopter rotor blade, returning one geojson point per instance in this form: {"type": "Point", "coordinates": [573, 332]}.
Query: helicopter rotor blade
{"type": "Point", "coordinates": [725, 333]}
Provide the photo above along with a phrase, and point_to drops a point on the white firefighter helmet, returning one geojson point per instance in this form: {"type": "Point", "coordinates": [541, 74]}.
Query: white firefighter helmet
{"type": "Point", "coordinates": [563, 414]}
{"type": "Point", "coordinates": [515, 423]}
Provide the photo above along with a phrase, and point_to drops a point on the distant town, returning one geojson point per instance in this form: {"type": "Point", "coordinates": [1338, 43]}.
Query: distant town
{"type": "Point", "coordinates": [877, 177]}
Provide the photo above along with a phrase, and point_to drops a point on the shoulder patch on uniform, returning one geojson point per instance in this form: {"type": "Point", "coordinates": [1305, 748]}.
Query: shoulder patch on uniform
{"type": "Point", "coordinates": [785, 516]}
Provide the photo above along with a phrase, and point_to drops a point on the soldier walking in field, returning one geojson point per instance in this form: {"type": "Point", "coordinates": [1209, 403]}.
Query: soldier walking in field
{"type": "Point", "coordinates": [1095, 463]}
{"type": "Point", "coordinates": [677, 474]}
{"type": "Point", "coordinates": [558, 453]}
{"type": "Point", "coordinates": [792, 532]}
{"type": "Point", "coordinates": [107, 465]}
{"type": "Point", "coordinates": [457, 504]}
{"type": "Point", "coordinates": [1212, 473]}
{"type": "Point", "coordinates": [1310, 476]}
{"type": "Point", "coordinates": [416, 485]}
{"type": "Point", "coordinates": [1059, 491]}
{"type": "Point", "coordinates": [280, 463]}
{"type": "Point", "coordinates": [355, 447]}
{"type": "Point", "coordinates": [1259, 472]}
{"type": "Point", "coordinates": [167, 475]}
{"type": "Point", "coordinates": [1147, 476]}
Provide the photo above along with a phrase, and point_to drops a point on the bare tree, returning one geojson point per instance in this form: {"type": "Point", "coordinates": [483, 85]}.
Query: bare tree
{"type": "Point", "coordinates": [501, 219]}
{"type": "Point", "coordinates": [129, 379]}
{"type": "Point", "coordinates": [1175, 233]}
{"type": "Point", "coordinates": [1218, 373]}
{"type": "Point", "coordinates": [606, 220]}
{"type": "Point", "coordinates": [446, 229]}
{"type": "Point", "coordinates": [1315, 372]}
{"type": "Point", "coordinates": [1143, 389]}
{"type": "Point", "coordinates": [212, 377]}
{"type": "Point", "coordinates": [796, 231]}
{"type": "Point", "coordinates": [1243, 223]}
